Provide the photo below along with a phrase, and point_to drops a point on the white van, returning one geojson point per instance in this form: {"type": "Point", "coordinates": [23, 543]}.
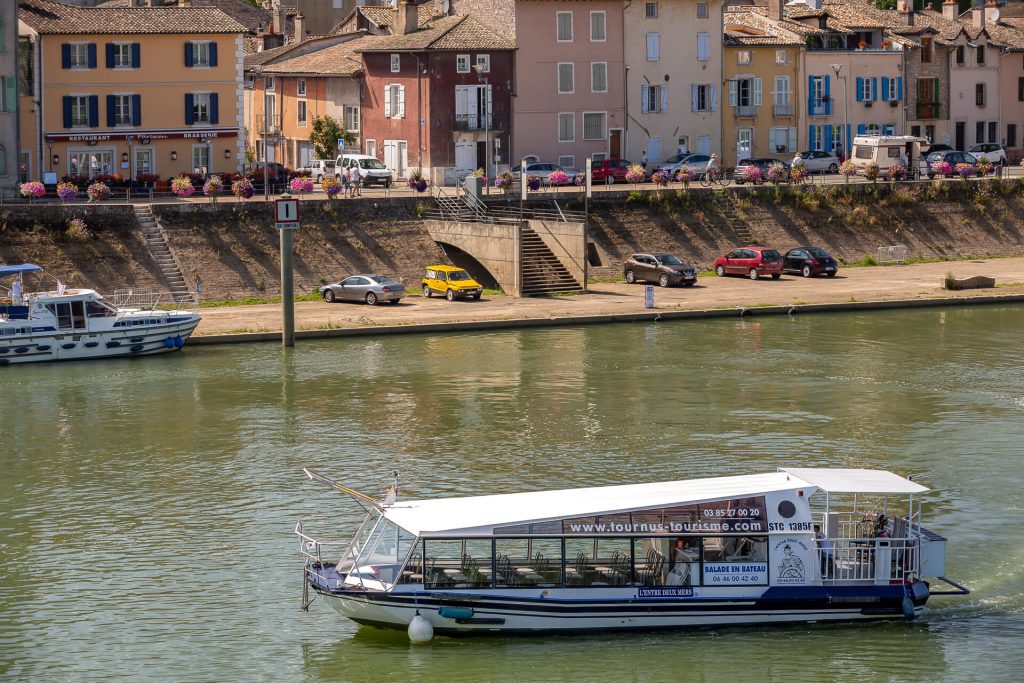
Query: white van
{"type": "Point", "coordinates": [884, 150]}
{"type": "Point", "coordinates": [319, 169]}
{"type": "Point", "coordinates": [372, 170]}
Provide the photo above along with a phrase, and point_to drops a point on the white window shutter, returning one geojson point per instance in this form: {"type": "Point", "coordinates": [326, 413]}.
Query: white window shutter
{"type": "Point", "coordinates": [792, 139]}
{"type": "Point", "coordinates": [733, 93]}
{"type": "Point", "coordinates": [664, 98]}
{"type": "Point", "coordinates": [694, 98]}
{"type": "Point", "coordinates": [387, 101]}
{"type": "Point", "coordinates": [714, 97]}
{"type": "Point", "coordinates": [401, 101]}
{"type": "Point", "coordinates": [461, 100]}
{"type": "Point", "coordinates": [645, 93]}
{"type": "Point", "coordinates": [771, 141]}
{"type": "Point", "coordinates": [757, 92]}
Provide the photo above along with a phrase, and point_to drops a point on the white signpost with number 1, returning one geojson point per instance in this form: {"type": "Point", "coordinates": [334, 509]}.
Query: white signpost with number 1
{"type": "Point", "coordinates": [286, 217]}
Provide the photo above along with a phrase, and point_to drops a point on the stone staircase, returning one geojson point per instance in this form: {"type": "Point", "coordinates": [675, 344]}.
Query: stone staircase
{"type": "Point", "coordinates": [542, 272]}
{"type": "Point", "coordinates": [738, 225]}
{"type": "Point", "coordinates": [169, 268]}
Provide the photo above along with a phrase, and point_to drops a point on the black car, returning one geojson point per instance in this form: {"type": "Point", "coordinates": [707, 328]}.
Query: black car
{"type": "Point", "coordinates": [940, 148]}
{"type": "Point", "coordinates": [951, 157]}
{"type": "Point", "coordinates": [665, 269]}
{"type": "Point", "coordinates": [809, 261]}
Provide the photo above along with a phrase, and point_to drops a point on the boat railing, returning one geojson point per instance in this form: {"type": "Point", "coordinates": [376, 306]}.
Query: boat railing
{"type": "Point", "coordinates": [878, 560]}
{"type": "Point", "coordinates": [149, 299]}
{"type": "Point", "coordinates": [313, 551]}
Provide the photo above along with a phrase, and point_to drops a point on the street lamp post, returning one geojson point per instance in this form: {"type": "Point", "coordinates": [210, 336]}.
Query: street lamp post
{"type": "Point", "coordinates": [846, 109]}
{"type": "Point", "coordinates": [479, 68]}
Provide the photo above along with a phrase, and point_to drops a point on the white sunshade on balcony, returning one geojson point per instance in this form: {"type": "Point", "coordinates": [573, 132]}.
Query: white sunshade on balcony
{"type": "Point", "coordinates": [855, 480]}
{"type": "Point", "coordinates": [479, 515]}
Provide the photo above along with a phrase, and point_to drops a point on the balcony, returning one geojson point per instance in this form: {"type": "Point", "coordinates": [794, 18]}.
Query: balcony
{"type": "Point", "coordinates": [927, 110]}
{"type": "Point", "coordinates": [746, 111]}
{"type": "Point", "coordinates": [473, 122]}
{"type": "Point", "coordinates": [782, 110]}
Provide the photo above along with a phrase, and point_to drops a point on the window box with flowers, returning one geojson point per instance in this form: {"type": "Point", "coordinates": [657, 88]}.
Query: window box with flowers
{"type": "Point", "coordinates": [862, 44]}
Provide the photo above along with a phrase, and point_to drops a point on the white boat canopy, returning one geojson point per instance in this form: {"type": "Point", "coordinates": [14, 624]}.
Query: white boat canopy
{"type": "Point", "coordinates": [855, 480]}
{"type": "Point", "coordinates": [480, 514]}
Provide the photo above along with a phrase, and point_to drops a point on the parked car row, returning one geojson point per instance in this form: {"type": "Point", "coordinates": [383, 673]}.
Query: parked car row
{"type": "Point", "coordinates": [447, 281]}
{"type": "Point", "coordinates": [668, 270]}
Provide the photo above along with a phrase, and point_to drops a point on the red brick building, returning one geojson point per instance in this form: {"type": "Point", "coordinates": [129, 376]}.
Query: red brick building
{"type": "Point", "coordinates": [437, 95]}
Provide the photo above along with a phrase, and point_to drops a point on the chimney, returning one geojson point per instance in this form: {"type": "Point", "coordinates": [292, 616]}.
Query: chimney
{"type": "Point", "coordinates": [278, 17]}
{"type": "Point", "coordinates": [775, 9]}
{"type": "Point", "coordinates": [300, 27]}
{"type": "Point", "coordinates": [978, 17]}
{"type": "Point", "coordinates": [950, 9]}
{"type": "Point", "coordinates": [408, 19]}
{"type": "Point", "coordinates": [905, 12]}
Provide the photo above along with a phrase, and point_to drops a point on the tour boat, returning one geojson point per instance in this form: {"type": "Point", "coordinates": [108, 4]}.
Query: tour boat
{"type": "Point", "coordinates": [795, 545]}
{"type": "Point", "coordinates": [76, 324]}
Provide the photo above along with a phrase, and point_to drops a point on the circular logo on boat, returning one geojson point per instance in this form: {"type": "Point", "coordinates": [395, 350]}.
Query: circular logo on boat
{"type": "Point", "coordinates": [787, 509]}
{"type": "Point", "coordinates": [791, 557]}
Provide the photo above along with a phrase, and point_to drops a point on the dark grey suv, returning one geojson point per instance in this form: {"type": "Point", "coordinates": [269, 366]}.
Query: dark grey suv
{"type": "Point", "coordinates": [665, 269]}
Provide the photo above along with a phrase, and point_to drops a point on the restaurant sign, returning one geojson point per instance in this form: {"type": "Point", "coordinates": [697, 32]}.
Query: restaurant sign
{"type": "Point", "coordinates": [144, 137]}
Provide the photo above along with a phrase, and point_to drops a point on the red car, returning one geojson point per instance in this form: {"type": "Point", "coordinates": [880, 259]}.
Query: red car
{"type": "Point", "coordinates": [753, 262]}
{"type": "Point", "coordinates": [609, 171]}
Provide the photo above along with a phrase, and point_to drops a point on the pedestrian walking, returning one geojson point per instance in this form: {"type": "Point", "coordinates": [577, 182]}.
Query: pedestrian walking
{"type": "Point", "coordinates": [346, 181]}
{"type": "Point", "coordinates": [357, 179]}
{"type": "Point", "coordinates": [643, 160]}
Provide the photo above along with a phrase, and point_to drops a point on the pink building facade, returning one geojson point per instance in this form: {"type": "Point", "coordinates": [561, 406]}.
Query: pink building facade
{"type": "Point", "coordinates": [569, 103]}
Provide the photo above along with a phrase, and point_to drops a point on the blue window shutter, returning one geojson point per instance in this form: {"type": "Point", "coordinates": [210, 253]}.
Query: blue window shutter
{"type": "Point", "coordinates": [214, 114]}
{"type": "Point", "coordinates": [810, 94]}
{"type": "Point", "coordinates": [136, 56]}
{"type": "Point", "coordinates": [213, 54]}
{"type": "Point", "coordinates": [94, 111]}
{"type": "Point", "coordinates": [92, 55]}
{"type": "Point", "coordinates": [67, 111]}
{"type": "Point", "coordinates": [65, 56]}
{"type": "Point", "coordinates": [188, 53]}
{"type": "Point", "coordinates": [188, 109]}
{"type": "Point", "coordinates": [885, 89]}
{"type": "Point", "coordinates": [136, 110]}
{"type": "Point", "coordinates": [828, 104]}
{"type": "Point", "coordinates": [899, 88]}
{"type": "Point", "coordinates": [111, 103]}
{"type": "Point", "coordinates": [828, 139]}
{"type": "Point", "coordinates": [860, 89]}
{"type": "Point", "coordinates": [861, 129]}
{"type": "Point", "coordinates": [810, 137]}
{"type": "Point", "coordinates": [110, 55]}
{"type": "Point", "coordinates": [11, 93]}
{"type": "Point", "coordinates": [874, 87]}
{"type": "Point", "coordinates": [849, 142]}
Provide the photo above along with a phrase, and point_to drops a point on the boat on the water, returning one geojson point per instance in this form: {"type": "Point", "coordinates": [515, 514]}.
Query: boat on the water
{"type": "Point", "coordinates": [77, 324]}
{"type": "Point", "coordinates": [795, 545]}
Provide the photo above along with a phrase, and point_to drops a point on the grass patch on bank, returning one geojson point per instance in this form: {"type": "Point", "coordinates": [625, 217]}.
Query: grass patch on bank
{"type": "Point", "coordinates": [254, 301]}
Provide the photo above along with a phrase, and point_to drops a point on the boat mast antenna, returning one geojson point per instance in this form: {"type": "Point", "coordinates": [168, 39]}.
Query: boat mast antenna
{"type": "Point", "coordinates": [391, 494]}
{"type": "Point", "coordinates": [360, 498]}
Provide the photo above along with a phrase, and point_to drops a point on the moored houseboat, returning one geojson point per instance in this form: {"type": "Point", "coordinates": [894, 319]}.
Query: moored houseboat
{"type": "Point", "coordinates": [796, 545]}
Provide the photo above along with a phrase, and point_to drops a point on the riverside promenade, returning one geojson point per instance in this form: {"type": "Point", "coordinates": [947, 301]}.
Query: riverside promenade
{"type": "Point", "coordinates": [857, 288]}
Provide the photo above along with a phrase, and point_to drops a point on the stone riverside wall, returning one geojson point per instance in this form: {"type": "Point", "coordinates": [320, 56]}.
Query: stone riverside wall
{"type": "Point", "coordinates": [234, 247]}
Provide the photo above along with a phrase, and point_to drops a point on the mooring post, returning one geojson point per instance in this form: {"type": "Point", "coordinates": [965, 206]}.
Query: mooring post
{"type": "Point", "coordinates": [286, 215]}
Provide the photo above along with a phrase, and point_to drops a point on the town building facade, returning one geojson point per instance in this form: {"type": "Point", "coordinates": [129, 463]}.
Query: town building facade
{"type": "Point", "coordinates": [9, 155]}
{"type": "Point", "coordinates": [130, 91]}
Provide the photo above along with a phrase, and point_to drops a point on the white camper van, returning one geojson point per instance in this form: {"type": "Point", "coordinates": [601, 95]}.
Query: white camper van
{"type": "Point", "coordinates": [884, 150]}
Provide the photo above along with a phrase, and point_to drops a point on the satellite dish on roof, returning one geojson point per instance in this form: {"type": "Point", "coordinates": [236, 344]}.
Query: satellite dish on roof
{"type": "Point", "coordinates": [446, 7]}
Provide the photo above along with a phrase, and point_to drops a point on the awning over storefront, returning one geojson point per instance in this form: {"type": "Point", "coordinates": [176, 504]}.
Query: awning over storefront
{"type": "Point", "coordinates": [144, 136]}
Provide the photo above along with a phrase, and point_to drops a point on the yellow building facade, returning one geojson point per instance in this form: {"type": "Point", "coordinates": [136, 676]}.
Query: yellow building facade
{"type": "Point", "coordinates": [762, 73]}
{"type": "Point", "coordinates": [130, 92]}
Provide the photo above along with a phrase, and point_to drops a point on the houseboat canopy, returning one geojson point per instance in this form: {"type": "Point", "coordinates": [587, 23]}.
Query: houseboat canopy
{"type": "Point", "coordinates": [481, 514]}
{"type": "Point", "coordinates": [20, 268]}
{"type": "Point", "coordinates": [855, 480]}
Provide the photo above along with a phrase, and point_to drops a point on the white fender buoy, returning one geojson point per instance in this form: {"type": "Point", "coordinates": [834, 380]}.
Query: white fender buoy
{"type": "Point", "coordinates": [420, 630]}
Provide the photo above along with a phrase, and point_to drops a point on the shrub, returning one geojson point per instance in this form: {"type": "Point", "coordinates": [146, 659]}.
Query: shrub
{"type": "Point", "coordinates": [242, 188]}
{"type": "Point", "coordinates": [867, 261]}
{"type": "Point", "coordinates": [98, 192]}
{"type": "Point", "coordinates": [78, 231]}
{"type": "Point", "coordinates": [33, 190]}
{"type": "Point", "coordinates": [67, 191]}
{"type": "Point", "coordinates": [636, 174]}
{"type": "Point", "coordinates": [950, 282]}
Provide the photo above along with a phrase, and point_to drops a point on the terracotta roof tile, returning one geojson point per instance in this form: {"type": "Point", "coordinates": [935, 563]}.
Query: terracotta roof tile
{"type": "Point", "coordinates": [768, 32]}
{"type": "Point", "coordinates": [241, 11]}
{"type": "Point", "coordinates": [341, 59]}
{"type": "Point", "coordinates": [54, 18]}
{"type": "Point", "coordinates": [445, 33]}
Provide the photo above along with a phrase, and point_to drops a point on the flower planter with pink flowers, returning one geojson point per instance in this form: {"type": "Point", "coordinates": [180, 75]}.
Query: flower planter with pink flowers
{"type": "Point", "coordinates": [300, 185]}
{"type": "Point", "coordinates": [33, 190]}
{"type": "Point", "coordinates": [98, 192]}
{"type": "Point", "coordinates": [183, 187]}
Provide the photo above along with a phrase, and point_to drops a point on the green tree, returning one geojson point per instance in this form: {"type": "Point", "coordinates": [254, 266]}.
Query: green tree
{"type": "Point", "coordinates": [324, 136]}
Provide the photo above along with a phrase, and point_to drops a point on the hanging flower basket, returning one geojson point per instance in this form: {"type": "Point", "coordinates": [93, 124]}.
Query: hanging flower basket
{"type": "Point", "coordinates": [67, 191]}
{"type": "Point", "coordinates": [896, 171]}
{"type": "Point", "coordinates": [751, 174]}
{"type": "Point", "coordinates": [966, 171]}
{"type": "Point", "coordinates": [331, 187]}
{"type": "Point", "coordinates": [98, 192]}
{"type": "Point", "coordinates": [242, 188]}
{"type": "Point", "coordinates": [558, 178]}
{"type": "Point", "coordinates": [636, 174]}
{"type": "Point", "coordinates": [943, 168]}
{"type": "Point", "coordinates": [301, 185]}
{"type": "Point", "coordinates": [797, 173]}
{"type": "Point", "coordinates": [871, 171]}
{"type": "Point", "coordinates": [417, 182]}
{"type": "Point", "coordinates": [777, 173]}
{"type": "Point", "coordinates": [183, 187]}
{"type": "Point", "coordinates": [533, 183]}
{"type": "Point", "coordinates": [213, 187]}
{"type": "Point", "coordinates": [660, 178]}
{"type": "Point", "coordinates": [33, 190]}
{"type": "Point", "coordinates": [685, 176]}
{"type": "Point", "coordinates": [847, 168]}
{"type": "Point", "coordinates": [504, 181]}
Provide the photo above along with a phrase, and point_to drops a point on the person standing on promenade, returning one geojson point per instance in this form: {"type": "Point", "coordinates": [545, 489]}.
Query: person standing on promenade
{"type": "Point", "coordinates": [357, 179]}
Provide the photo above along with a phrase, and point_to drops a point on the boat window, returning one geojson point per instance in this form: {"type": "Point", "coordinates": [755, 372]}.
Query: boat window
{"type": "Point", "coordinates": [63, 315]}
{"type": "Point", "coordinates": [651, 561]}
{"type": "Point", "coordinates": [358, 541]}
{"type": "Point", "coordinates": [78, 314]}
{"type": "Point", "coordinates": [597, 561]}
{"type": "Point", "coordinates": [527, 562]}
{"type": "Point", "coordinates": [452, 563]}
{"type": "Point", "coordinates": [384, 553]}
{"type": "Point", "coordinates": [735, 561]}
{"type": "Point", "coordinates": [96, 309]}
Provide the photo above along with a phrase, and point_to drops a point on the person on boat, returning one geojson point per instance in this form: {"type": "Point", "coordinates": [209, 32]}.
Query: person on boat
{"type": "Point", "coordinates": [881, 529]}
{"type": "Point", "coordinates": [825, 550]}
{"type": "Point", "coordinates": [16, 294]}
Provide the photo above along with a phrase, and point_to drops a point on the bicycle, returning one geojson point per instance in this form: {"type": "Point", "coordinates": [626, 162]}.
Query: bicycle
{"type": "Point", "coordinates": [709, 178]}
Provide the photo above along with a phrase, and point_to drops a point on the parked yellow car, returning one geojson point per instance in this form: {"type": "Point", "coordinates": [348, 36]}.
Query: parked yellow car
{"type": "Point", "coordinates": [454, 283]}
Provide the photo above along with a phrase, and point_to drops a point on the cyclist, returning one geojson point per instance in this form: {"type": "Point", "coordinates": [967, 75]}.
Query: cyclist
{"type": "Point", "coordinates": [714, 168]}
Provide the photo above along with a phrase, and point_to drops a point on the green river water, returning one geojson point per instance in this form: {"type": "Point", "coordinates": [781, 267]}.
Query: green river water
{"type": "Point", "coordinates": [147, 506]}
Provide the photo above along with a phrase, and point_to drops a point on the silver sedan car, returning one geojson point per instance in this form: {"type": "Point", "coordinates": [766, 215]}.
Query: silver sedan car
{"type": "Point", "coordinates": [366, 288]}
